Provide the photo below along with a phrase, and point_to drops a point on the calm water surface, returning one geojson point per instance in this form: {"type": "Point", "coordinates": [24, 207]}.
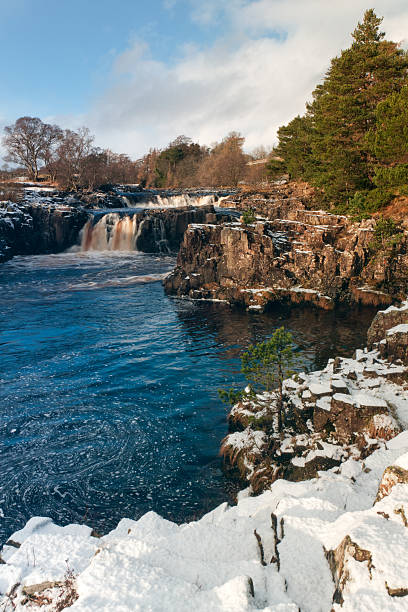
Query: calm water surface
{"type": "Point", "coordinates": [108, 388]}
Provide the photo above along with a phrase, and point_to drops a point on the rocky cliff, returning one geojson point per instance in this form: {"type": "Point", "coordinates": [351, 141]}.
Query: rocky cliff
{"type": "Point", "coordinates": [50, 225]}
{"type": "Point", "coordinates": [289, 253]}
{"type": "Point", "coordinates": [34, 228]}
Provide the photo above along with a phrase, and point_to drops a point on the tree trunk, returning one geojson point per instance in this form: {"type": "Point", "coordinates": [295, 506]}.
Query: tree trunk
{"type": "Point", "coordinates": [280, 400]}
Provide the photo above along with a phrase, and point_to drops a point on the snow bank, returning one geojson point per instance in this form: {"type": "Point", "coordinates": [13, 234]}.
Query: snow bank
{"type": "Point", "coordinates": [269, 553]}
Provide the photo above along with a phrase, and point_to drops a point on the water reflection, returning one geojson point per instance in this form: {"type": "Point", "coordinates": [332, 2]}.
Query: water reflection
{"type": "Point", "coordinates": [318, 334]}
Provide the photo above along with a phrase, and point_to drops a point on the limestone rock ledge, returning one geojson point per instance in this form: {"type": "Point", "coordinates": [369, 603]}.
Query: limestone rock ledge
{"type": "Point", "coordinates": [36, 228]}
{"type": "Point", "coordinates": [305, 256]}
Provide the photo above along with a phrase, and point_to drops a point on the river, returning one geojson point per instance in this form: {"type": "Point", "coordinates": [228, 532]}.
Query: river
{"type": "Point", "coordinates": [108, 388]}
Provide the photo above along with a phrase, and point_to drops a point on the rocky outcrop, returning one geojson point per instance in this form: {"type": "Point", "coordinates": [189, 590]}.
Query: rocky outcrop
{"type": "Point", "coordinates": [389, 333]}
{"type": "Point", "coordinates": [169, 226]}
{"type": "Point", "coordinates": [347, 410]}
{"type": "Point", "coordinates": [33, 228]}
{"type": "Point", "coordinates": [385, 320]}
{"type": "Point", "coordinates": [292, 254]}
{"type": "Point", "coordinates": [393, 475]}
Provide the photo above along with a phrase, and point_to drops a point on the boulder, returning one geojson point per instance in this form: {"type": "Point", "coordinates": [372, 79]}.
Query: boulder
{"type": "Point", "coordinates": [349, 415]}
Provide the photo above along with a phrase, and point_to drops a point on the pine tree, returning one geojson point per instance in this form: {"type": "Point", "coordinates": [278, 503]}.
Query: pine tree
{"type": "Point", "coordinates": [267, 364]}
{"type": "Point", "coordinates": [328, 147]}
{"type": "Point", "coordinates": [295, 147]}
{"type": "Point", "coordinates": [388, 142]}
{"type": "Point", "coordinates": [344, 107]}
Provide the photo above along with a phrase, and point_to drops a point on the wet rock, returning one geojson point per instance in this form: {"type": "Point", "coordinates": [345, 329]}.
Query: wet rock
{"type": "Point", "coordinates": [33, 228]}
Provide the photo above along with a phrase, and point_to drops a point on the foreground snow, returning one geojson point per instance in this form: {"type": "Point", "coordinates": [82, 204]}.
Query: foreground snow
{"type": "Point", "coordinates": [266, 553]}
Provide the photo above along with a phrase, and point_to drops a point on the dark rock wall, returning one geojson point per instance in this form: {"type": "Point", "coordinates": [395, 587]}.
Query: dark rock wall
{"type": "Point", "coordinates": [307, 255]}
{"type": "Point", "coordinates": [28, 229]}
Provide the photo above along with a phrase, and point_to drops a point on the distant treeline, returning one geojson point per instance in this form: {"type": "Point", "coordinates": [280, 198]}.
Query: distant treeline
{"type": "Point", "coordinates": [69, 159]}
{"type": "Point", "coordinates": [65, 157]}
{"type": "Point", "coordinates": [185, 163]}
{"type": "Point", "coordinates": [352, 143]}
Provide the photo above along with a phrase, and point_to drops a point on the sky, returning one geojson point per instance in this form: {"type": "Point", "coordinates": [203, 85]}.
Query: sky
{"type": "Point", "coordinates": [139, 73]}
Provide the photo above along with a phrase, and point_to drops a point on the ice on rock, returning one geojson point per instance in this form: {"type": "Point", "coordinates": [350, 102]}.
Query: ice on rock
{"type": "Point", "coordinates": [339, 385]}
{"type": "Point", "coordinates": [363, 399]}
{"type": "Point", "coordinates": [345, 399]}
{"type": "Point", "coordinates": [324, 403]}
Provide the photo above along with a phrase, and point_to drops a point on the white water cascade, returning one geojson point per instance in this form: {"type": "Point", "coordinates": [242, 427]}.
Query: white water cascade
{"type": "Point", "coordinates": [171, 201]}
{"type": "Point", "coordinates": [120, 232]}
{"type": "Point", "coordinates": [111, 233]}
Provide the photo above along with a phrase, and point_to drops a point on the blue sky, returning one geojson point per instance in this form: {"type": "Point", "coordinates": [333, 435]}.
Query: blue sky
{"type": "Point", "coordinates": [56, 54]}
{"type": "Point", "coordinates": [141, 73]}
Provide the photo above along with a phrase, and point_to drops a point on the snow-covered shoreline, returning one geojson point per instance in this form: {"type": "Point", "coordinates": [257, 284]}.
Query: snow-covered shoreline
{"type": "Point", "coordinates": [267, 553]}
{"type": "Point", "coordinates": [338, 541]}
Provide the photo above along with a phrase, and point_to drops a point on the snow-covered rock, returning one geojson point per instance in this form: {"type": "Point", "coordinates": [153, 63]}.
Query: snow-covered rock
{"type": "Point", "coordinates": [300, 545]}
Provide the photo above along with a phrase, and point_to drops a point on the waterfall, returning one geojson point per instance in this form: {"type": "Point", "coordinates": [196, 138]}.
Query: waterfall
{"type": "Point", "coordinates": [147, 230]}
{"type": "Point", "coordinates": [169, 201]}
{"type": "Point", "coordinates": [111, 233]}
{"type": "Point", "coordinates": [159, 235]}
{"type": "Point", "coordinates": [184, 199]}
{"type": "Point", "coordinates": [127, 202]}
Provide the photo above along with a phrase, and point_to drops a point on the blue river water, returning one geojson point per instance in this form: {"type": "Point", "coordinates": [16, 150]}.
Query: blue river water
{"type": "Point", "coordinates": [108, 388]}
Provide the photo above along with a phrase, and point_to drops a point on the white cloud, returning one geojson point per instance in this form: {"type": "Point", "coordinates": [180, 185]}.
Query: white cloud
{"type": "Point", "coordinates": [254, 79]}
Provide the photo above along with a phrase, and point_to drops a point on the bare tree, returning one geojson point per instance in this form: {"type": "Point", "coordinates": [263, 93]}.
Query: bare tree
{"type": "Point", "coordinates": [29, 141]}
{"type": "Point", "coordinates": [72, 151]}
{"type": "Point", "coordinates": [226, 164]}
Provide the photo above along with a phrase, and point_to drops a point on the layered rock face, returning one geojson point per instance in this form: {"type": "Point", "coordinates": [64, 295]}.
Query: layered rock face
{"type": "Point", "coordinates": [169, 225]}
{"type": "Point", "coordinates": [33, 228]}
{"type": "Point", "coordinates": [295, 254]}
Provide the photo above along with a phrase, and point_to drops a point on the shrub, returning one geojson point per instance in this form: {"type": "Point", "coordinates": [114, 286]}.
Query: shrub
{"type": "Point", "coordinates": [395, 176]}
{"type": "Point", "coordinates": [230, 396]}
{"type": "Point", "coordinates": [248, 216]}
{"type": "Point", "coordinates": [364, 203]}
{"type": "Point", "coordinates": [387, 234]}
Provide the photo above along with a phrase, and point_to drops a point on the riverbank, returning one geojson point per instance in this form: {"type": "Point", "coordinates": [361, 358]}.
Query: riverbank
{"type": "Point", "coordinates": [334, 542]}
{"type": "Point", "coordinates": [347, 410]}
